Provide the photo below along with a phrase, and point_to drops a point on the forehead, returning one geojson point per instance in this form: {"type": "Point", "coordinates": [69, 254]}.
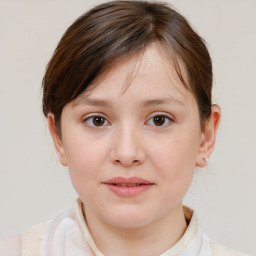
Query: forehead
{"type": "Point", "coordinates": [148, 74]}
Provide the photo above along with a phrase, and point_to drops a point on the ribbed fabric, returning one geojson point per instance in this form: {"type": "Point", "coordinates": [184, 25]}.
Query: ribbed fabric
{"type": "Point", "coordinates": [32, 240]}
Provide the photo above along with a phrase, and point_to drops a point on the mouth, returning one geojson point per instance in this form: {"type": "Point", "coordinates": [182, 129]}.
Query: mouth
{"type": "Point", "coordinates": [128, 184]}
{"type": "Point", "coordinates": [128, 187]}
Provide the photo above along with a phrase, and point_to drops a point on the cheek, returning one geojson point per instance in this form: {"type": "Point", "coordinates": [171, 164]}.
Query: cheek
{"type": "Point", "coordinates": [84, 159]}
{"type": "Point", "coordinates": [81, 158]}
{"type": "Point", "coordinates": [175, 159]}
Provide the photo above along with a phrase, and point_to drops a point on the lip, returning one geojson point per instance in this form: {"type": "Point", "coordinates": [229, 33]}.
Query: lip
{"type": "Point", "coordinates": [128, 187]}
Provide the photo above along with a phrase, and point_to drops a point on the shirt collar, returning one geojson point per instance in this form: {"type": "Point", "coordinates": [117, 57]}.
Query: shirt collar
{"type": "Point", "coordinates": [189, 237]}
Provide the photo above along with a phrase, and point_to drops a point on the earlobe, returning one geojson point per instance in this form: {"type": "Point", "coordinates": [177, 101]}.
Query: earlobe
{"type": "Point", "coordinates": [209, 137]}
{"type": "Point", "coordinates": [56, 140]}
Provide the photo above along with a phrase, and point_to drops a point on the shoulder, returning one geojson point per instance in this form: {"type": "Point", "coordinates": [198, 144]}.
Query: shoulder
{"type": "Point", "coordinates": [23, 244]}
{"type": "Point", "coordinates": [32, 239]}
{"type": "Point", "coordinates": [11, 246]}
{"type": "Point", "coordinates": [220, 250]}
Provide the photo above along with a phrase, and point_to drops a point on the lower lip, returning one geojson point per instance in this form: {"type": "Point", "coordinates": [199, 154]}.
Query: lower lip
{"type": "Point", "coordinates": [128, 191]}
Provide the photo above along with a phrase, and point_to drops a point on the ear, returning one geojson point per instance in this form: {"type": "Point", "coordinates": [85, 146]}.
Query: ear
{"type": "Point", "coordinates": [56, 140]}
{"type": "Point", "coordinates": [209, 137]}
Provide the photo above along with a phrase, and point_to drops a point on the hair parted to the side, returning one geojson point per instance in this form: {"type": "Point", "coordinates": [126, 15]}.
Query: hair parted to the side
{"type": "Point", "coordinates": [115, 30]}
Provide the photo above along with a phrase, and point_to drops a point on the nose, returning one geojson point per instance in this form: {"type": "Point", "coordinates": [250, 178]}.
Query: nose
{"type": "Point", "coordinates": [127, 147]}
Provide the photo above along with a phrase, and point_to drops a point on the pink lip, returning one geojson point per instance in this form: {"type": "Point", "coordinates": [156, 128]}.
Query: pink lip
{"type": "Point", "coordinates": [114, 185]}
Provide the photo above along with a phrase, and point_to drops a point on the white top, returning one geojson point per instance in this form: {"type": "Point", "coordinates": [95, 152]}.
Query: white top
{"type": "Point", "coordinates": [67, 234]}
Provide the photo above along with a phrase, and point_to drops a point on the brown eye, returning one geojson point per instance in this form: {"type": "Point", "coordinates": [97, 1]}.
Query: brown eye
{"type": "Point", "coordinates": [96, 121]}
{"type": "Point", "coordinates": [159, 120]}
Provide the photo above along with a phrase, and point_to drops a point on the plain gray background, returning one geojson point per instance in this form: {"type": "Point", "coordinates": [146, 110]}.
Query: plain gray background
{"type": "Point", "coordinates": [33, 185]}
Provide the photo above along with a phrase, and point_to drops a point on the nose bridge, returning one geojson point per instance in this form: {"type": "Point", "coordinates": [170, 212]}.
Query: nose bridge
{"type": "Point", "coordinates": [127, 148]}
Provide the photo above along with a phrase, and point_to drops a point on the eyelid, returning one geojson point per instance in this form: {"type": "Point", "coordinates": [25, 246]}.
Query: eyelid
{"type": "Point", "coordinates": [161, 114]}
{"type": "Point", "coordinates": [91, 115]}
{"type": "Point", "coordinates": [167, 116]}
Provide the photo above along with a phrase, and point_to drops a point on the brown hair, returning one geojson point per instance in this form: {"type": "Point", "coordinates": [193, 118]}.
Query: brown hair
{"type": "Point", "coordinates": [117, 29]}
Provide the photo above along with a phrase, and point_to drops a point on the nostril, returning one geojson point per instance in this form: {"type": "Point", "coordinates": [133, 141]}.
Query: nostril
{"type": "Point", "coordinates": [127, 163]}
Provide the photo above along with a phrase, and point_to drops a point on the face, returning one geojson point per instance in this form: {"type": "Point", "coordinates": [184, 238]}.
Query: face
{"type": "Point", "coordinates": [131, 150]}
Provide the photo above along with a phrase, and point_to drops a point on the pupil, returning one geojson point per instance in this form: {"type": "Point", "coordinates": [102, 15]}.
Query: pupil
{"type": "Point", "coordinates": [159, 120]}
{"type": "Point", "coordinates": [98, 121]}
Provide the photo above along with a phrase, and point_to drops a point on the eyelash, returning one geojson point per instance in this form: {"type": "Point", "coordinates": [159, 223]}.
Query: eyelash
{"type": "Point", "coordinates": [87, 120]}
{"type": "Point", "coordinates": [166, 118]}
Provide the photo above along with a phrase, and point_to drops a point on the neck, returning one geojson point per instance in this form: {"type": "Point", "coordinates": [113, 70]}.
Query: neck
{"type": "Point", "coordinates": [151, 239]}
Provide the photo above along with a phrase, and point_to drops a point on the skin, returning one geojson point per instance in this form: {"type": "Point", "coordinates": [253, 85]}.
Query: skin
{"type": "Point", "coordinates": [129, 143]}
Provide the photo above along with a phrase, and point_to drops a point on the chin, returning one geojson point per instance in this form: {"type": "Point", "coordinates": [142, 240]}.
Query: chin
{"type": "Point", "coordinates": [129, 224]}
{"type": "Point", "coordinates": [129, 219]}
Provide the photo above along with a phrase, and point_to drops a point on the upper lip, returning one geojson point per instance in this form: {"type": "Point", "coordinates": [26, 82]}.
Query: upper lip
{"type": "Point", "coordinates": [125, 180]}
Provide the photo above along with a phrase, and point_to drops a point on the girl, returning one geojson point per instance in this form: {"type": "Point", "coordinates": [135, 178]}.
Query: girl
{"type": "Point", "coordinates": [127, 95]}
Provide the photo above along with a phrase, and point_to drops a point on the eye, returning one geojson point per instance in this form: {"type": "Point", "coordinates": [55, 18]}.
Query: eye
{"type": "Point", "coordinates": [95, 121]}
{"type": "Point", "coordinates": [159, 120]}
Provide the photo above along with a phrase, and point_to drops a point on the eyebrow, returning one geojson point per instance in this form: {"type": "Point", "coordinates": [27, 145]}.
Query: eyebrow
{"type": "Point", "coordinates": [146, 103]}
{"type": "Point", "coordinates": [154, 102]}
{"type": "Point", "coordinates": [93, 102]}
